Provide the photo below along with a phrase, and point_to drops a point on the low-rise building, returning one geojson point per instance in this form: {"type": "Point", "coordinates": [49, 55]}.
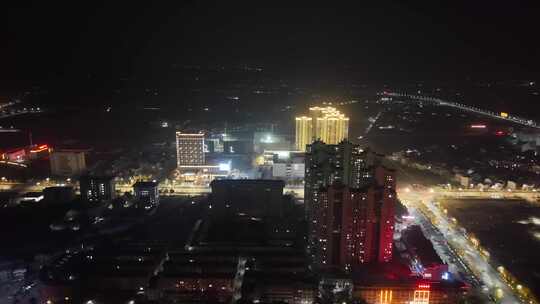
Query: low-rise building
{"type": "Point", "coordinates": [97, 188]}
{"type": "Point", "coordinates": [511, 185]}
{"type": "Point", "coordinates": [239, 257]}
{"type": "Point", "coordinates": [253, 197]}
{"type": "Point", "coordinates": [14, 155]}
{"type": "Point", "coordinates": [203, 277]}
{"type": "Point", "coordinates": [147, 193]}
{"type": "Point", "coordinates": [30, 197]}
{"type": "Point", "coordinates": [288, 170]}
{"type": "Point", "coordinates": [463, 180]}
{"type": "Point", "coordinates": [393, 283]}
{"type": "Point", "coordinates": [412, 291]}
{"type": "Point", "coordinates": [66, 162]}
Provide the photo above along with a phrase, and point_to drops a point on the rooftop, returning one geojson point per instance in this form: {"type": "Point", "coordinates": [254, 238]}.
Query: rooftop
{"type": "Point", "coordinates": [145, 184]}
{"type": "Point", "coordinates": [32, 195]}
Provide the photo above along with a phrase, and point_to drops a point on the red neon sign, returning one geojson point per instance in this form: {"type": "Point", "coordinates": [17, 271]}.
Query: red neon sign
{"type": "Point", "coordinates": [40, 148]}
{"type": "Point", "coordinates": [424, 286]}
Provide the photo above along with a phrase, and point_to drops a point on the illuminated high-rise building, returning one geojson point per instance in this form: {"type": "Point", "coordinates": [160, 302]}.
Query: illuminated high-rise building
{"type": "Point", "coordinates": [326, 164]}
{"type": "Point", "coordinates": [330, 125]}
{"type": "Point", "coordinates": [189, 149]}
{"type": "Point", "coordinates": [304, 132]}
{"type": "Point", "coordinates": [324, 123]}
{"type": "Point", "coordinates": [386, 205]}
{"type": "Point", "coordinates": [354, 226]}
{"type": "Point", "coordinates": [349, 201]}
{"type": "Point", "coordinates": [345, 225]}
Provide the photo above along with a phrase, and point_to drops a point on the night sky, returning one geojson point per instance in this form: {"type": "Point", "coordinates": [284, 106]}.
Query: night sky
{"type": "Point", "coordinates": [46, 40]}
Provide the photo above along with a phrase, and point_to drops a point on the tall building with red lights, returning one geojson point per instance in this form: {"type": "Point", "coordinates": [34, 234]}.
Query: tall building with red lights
{"type": "Point", "coordinates": [325, 164]}
{"type": "Point", "coordinates": [386, 202]}
{"type": "Point", "coordinates": [355, 225]}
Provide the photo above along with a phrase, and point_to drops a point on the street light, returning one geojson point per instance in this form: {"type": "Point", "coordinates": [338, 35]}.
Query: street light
{"type": "Point", "coordinates": [499, 293]}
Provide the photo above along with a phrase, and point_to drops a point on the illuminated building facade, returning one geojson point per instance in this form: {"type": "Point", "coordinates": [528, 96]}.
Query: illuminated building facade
{"type": "Point", "coordinates": [189, 149]}
{"type": "Point", "coordinates": [67, 162]}
{"type": "Point", "coordinates": [323, 123]}
{"type": "Point", "coordinates": [326, 164]}
{"type": "Point", "coordinates": [97, 188]}
{"type": "Point", "coordinates": [329, 125]}
{"type": "Point", "coordinates": [288, 170]}
{"type": "Point", "coordinates": [385, 207]}
{"type": "Point", "coordinates": [147, 193]}
{"type": "Point", "coordinates": [270, 141]}
{"type": "Point", "coordinates": [202, 175]}
{"type": "Point", "coordinates": [304, 132]}
{"type": "Point", "coordinates": [14, 155]}
{"type": "Point", "coordinates": [345, 225]}
{"type": "Point", "coordinates": [409, 293]}
{"type": "Point", "coordinates": [349, 201]}
{"type": "Point", "coordinates": [353, 226]}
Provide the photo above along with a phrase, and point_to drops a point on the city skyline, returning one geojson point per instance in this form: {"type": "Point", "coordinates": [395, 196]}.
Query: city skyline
{"type": "Point", "coordinates": [259, 153]}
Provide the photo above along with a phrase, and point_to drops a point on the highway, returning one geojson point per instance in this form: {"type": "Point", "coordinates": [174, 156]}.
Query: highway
{"type": "Point", "coordinates": [418, 190]}
{"type": "Point", "coordinates": [514, 119]}
{"type": "Point", "coordinates": [468, 257]}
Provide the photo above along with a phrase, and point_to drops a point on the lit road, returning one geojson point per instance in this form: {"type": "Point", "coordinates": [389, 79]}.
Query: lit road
{"type": "Point", "coordinates": [468, 254]}
{"type": "Point", "coordinates": [30, 187]}
{"type": "Point", "coordinates": [532, 196]}
{"type": "Point", "coordinates": [183, 189]}
{"type": "Point", "coordinates": [482, 269]}
{"type": "Point", "coordinates": [467, 108]}
{"type": "Point", "coordinates": [372, 123]}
